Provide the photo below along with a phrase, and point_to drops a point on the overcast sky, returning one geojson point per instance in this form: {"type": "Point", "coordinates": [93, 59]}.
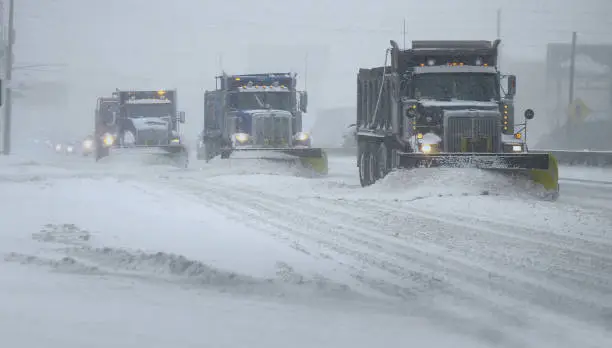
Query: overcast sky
{"type": "Point", "coordinates": [184, 43]}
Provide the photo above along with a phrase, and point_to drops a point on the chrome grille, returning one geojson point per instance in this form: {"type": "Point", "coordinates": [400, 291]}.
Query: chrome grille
{"type": "Point", "coordinates": [151, 137]}
{"type": "Point", "coordinates": [272, 131]}
{"type": "Point", "coordinates": [472, 134]}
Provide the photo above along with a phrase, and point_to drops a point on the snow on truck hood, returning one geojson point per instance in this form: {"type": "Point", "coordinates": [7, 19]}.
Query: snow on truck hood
{"type": "Point", "coordinates": [150, 123]}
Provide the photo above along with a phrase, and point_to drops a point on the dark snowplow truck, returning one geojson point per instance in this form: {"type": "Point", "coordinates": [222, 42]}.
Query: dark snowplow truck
{"type": "Point", "coordinates": [258, 116]}
{"type": "Point", "coordinates": [441, 104]}
{"type": "Point", "coordinates": [143, 122]}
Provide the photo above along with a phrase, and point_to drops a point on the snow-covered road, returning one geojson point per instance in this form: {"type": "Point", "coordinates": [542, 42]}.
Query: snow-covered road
{"type": "Point", "coordinates": [312, 261]}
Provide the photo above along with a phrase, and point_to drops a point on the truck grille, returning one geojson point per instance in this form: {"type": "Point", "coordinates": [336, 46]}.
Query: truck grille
{"type": "Point", "coordinates": [151, 137]}
{"type": "Point", "coordinates": [272, 131]}
{"type": "Point", "coordinates": [472, 134]}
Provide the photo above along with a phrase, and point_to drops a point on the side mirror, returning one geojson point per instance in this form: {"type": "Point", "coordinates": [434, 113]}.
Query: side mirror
{"type": "Point", "coordinates": [181, 116]}
{"type": "Point", "coordinates": [304, 102]}
{"type": "Point", "coordinates": [511, 85]}
{"type": "Point", "coordinates": [529, 114]}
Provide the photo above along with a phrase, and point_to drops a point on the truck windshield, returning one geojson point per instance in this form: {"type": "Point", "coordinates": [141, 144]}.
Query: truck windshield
{"type": "Point", "coordinates": [457, 86]}
{"type": "Point", "coordinates": [258, 100]}
{"type": "Point", "coordinates": [148, 110]}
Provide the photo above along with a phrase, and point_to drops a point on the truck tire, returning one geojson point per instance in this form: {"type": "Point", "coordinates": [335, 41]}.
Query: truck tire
{"type": "Point", "coordinates": [383, 161]}
{"type": "Point", "coordinates": [367, 162]}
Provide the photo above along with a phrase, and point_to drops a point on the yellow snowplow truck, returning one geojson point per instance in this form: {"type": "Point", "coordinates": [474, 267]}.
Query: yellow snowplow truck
{"type": "Point", "coordinates": [440, 103]}
{"type": "Point", "coordinates": [258, 116]}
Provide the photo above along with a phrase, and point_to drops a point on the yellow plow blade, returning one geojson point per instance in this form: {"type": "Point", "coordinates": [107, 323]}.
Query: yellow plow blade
{"type": "Point", "coordinates": [318, 164]}
{"type": "Point", "coordinates": [548, 178]}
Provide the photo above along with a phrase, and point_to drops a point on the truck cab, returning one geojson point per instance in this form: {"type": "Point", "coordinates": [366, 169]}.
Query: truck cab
{"type": "Point", "coordinates": [138, 119]}
{"type": "Point", "coordinates": [255, 110]}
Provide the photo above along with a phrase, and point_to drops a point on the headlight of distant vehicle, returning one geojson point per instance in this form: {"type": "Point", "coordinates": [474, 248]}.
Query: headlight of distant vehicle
{"type": "Point", "coordinates": [58, 147]}
{"type": "Point", "coordinates": [69, 148]}
{"type": "Point", "coordinates": [88, 144]}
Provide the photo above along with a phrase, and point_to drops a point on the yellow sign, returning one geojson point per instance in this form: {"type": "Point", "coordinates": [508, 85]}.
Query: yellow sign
{"type": "Point", "coordinates": [578, 110]}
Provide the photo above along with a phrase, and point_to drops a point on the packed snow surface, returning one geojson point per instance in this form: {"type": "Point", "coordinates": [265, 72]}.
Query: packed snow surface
{"type": "Point", "coordinates": [250, 253]}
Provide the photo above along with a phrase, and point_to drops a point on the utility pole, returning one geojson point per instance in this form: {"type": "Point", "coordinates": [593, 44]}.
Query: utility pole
{"type": "Point", "coordinates": [8, 107]}
{"type": "Point", "coordinates": [572, 69]}
{"type": "Point", "coordinates": [306, 71]}
{"type": "Point", "coordinates": [404, 33]}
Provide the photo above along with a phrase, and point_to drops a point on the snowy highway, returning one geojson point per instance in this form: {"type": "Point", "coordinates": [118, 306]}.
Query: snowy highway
{"type": "Point", "coordinates": [439, 258]}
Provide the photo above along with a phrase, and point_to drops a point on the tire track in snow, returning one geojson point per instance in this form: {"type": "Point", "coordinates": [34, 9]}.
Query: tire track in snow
{"type": "Point", "coordinates": [397, 258]}
{"type": "Point", "coordinates": [280, 216]}
{"type": "Point", "coordinates": [578, 280]}
{"type": "Point", "coordinates": [518, 285]}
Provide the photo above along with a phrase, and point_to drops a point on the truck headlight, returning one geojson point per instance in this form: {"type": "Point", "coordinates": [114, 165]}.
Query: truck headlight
{"type": "Point", "coordinates": [517, 148]}
{"type": "Point", "coordinates": [426, 148]}
{"type": "Point", "coordinates": [175, 141]}
{"type": "Point", "coordinates": [108, 139]}
{"type": "Point", "coordinates": [241, 137]}
{"type": "Point", "coordinates": [302, 136]}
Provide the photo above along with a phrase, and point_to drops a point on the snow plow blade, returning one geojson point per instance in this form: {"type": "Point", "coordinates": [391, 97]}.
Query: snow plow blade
{"type": "Point", "coordinates": [174, 154]}
{"type": "Point", "coordinates": [311, 158]}
{"type": "Point", "coordinates": [540, 168]}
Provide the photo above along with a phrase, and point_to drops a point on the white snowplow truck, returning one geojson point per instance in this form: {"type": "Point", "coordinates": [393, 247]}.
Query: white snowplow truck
{"type": "Point", "coordinates": [143, 122]}
{"type": "Point", "coordinates": [441, 103]}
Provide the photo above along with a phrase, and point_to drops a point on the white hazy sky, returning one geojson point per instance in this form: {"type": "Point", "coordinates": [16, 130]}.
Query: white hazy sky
{"type": "Point", "coordinates": [182, 44]}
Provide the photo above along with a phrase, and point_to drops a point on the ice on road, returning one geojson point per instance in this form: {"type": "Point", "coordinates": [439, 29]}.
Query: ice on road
{"type": "Point", "coordinates": [436, 258]}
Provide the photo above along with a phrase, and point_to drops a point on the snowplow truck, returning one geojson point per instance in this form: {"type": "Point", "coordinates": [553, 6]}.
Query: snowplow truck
{"type": "Point", "coordinates": [258, 116]}
{"type": "Point", "coordinates": [140, 122]}
{"type": "Point", "coordinates": [441, 104]}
